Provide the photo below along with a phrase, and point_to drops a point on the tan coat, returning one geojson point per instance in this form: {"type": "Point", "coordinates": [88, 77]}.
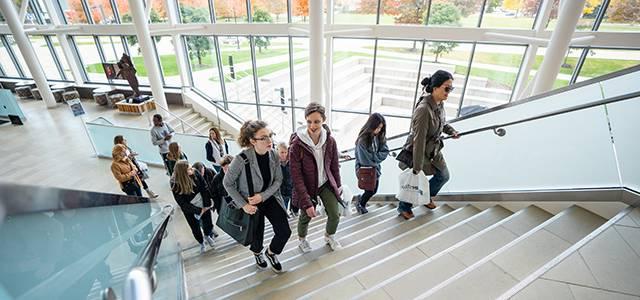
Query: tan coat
{"type": "Point", "coordinates": [121, 170]}
{"type": "Point", "coordinates": [428, 123]}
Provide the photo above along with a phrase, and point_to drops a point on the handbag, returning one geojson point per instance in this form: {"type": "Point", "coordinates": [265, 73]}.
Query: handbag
{"type": "Point", "coordinates": [234, 221]}
{"type": "Point", "coordinates": [413, 188]}
{"type": "Point", "coordinates": [367, 177]}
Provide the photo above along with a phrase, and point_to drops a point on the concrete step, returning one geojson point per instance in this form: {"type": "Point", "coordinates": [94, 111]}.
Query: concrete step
{"type": "Point", "coordinates": [516, 260]}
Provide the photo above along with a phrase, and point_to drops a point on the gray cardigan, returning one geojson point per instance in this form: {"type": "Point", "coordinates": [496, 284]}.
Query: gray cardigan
{"type": "Point", "coordinates": [235, 180]}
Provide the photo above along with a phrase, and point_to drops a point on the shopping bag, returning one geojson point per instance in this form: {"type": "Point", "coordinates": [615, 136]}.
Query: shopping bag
{"type": "Point", "coordinates": [345, 205]}
{"type": "Point", "coordinates": [413, 188]}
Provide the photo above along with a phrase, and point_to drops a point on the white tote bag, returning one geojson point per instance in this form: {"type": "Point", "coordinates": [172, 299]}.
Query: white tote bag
{"type": "Point", "coordinates": [413, 188]}
{"type": "Point", "coordinates": [347, 197]}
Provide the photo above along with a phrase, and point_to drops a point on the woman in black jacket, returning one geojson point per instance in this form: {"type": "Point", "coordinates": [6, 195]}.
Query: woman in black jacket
{"type": "Point", "coordinates": [186, 186]}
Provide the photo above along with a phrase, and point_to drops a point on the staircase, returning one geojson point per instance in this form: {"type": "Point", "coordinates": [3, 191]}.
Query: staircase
{"type": "Point", "coordinates": [199, 124]}
{"type": "Point", "coordinates": [456, 251]}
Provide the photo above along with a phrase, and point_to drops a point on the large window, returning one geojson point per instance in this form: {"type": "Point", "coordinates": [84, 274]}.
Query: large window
{"type": "Point", "coordinates": [272, 62]}
{"type": "Point", "coordinates": [301, 71]}
{"type": "Point", "coordinates": [235, 53]}
{"type": "Point", "coordinates": [352, 74]}
{"type": "Point", "coordinates": [231, 11]}
{"type": "Point", "coordinates": [45, 58]}
{"type": "Point", "coordinates": [101, 12]}
{"type": "Point", "coordinates": [19, 56]}
{"type": "Point", "coordinates": [493, 74]}
{"type": "Point", "coordinates": [465, 13]}
{"type": "Point", "coordinates": [604, 61]}
{"type": "Point", "coordinates": [8, 67]}
{"type": "Point", "coordinates": [511, 14]}
{"type": "Point", "coordinates": [90, 57]}
{"type": "Point", "coordinates": [355, 12]}
{"type": "Point", "coordinates": [269, 11]}
{"type": "Point", "coordinates": [63, 60]}
{"type": "Point", "coordinates": [621, 15]}
{"type": "Point", "coordinates": [394, 84]}
{"type": "Point", "coordinates": [194, 11]}
{"type": "Point", "coordinates": [204, 65]}
{"type": "Point", "coordinates": [589, 13]}
{"type": "Point", "coordinates": [168, 62]}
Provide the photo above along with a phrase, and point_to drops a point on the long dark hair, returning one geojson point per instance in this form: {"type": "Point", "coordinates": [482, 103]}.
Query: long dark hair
{"type": "Point", "coordinates": [435, 80]}
{"type": "Point", "coordinates": [366, 133]}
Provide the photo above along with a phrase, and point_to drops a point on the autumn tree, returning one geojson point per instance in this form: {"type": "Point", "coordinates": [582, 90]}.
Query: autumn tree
{"type": "Point", "coordinates": [231, 9]}
{"type": "Point", "coordinates": [301, 8]}
{"type": "Point", "coordinates": [198, 46]}
{"type": "Point", "coordinates": [411, 11]}
{"type": "Point", "coordinates": [275, 7]}
{"type": "Point", "coordinates": [624, 11]}
{"type": "Point", "coordinates": [389, 7]}
{"type": "Point", "coordinates": [445, 15]}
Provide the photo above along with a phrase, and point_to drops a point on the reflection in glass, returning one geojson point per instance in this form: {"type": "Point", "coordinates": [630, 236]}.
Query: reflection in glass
{"type": "Point", "coordinates": [352, 71]}
{"type": "Point", "coordinates": [101, 12]}
{"type": "Point", "coordinates": [510, 14]}
{"type": "Point", "coordinates": [394, 84]}
{"type": "Point", "coordinates": [45, 58]}
{"type": "Point", "coordinates": [194, 11]}
{"type": "Point", "coordinates": [73, 11]}
{"type": "Point", "coordinates": [204, 65]}
{"type": "Point", "coordinates": [604, 61]}
{"type": "Point", "coordinates": [357, 12]}
{"type": "Point", "coordinates": [493, 74]}
{"type": "Point", "coordinates": [238, 72]}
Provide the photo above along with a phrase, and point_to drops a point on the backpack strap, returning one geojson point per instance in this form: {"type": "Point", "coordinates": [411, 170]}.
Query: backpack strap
{"type": "Point", "coordinates": [247, 171]}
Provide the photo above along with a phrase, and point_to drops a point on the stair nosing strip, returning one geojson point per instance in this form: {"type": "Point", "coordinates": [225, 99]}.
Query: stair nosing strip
{"type": "Point", "coordinates": [566, 253]}
{"type": "Point", "coordinates": [375, 247]}
{"type": "Point", "coordinates": [493, 255]}
{"type": "Point", "coordinates": [291, 249]}
{"type": "Point", "coordinates": [317, 225]}
{"type": "Point", "coordinates": [441, 253]}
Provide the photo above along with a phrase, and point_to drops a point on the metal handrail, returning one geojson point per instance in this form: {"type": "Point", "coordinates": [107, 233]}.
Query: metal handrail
{"type": "Point", "coordinates": [181, 121]}
{"type": "Point", "coordinates": [141, 281]}
{"type": "Point", "coordinates": [500, 131]}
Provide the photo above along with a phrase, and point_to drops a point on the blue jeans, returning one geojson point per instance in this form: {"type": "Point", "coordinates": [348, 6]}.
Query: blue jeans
{"type": "Point", "coordinates": [435, 184]}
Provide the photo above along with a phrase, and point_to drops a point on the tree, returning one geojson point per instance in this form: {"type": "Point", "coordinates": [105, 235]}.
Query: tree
{"type": "Point", "coordinates": [411, 11]}
{"type": "Point", "coordinates": [301, 8]}
{"type": "Point", "coordinates": [132, 39]}
{"type": "Point", "coordinates": [492, 5]}
{"type": "Point", "coordinates": [447, 15]}
{"type": "Point", "coordinates": [231, 9]}
{"type": "Point", "coordinates": [624, 11]}
{"type": "Point", "coordinates": [261, 16]}
{"type": "Point", "coordinates": [389, 7]}
{"type": "Point", "coordinates": [512, 5]}
{"type": "Point", "coordinates": [198, 46]}
{"type": "Point", "coordinates": [276, 7]}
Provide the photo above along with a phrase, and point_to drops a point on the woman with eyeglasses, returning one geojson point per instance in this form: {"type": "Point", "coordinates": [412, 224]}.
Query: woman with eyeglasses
{"type": "Point", "coordinates": [264, 196]}
{"type": "Point", "coordinates": [427, 124]}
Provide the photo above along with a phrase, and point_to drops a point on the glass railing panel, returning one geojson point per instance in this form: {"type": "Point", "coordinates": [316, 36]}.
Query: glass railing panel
{"type": "Point", "coordinates": [621, 85]}
{"type": "Point", "coordinates": [623, 117]}
{"type": "Point", "coordinates": [169, 268]}
{"type": "Point", "coordinates": [74, 253]}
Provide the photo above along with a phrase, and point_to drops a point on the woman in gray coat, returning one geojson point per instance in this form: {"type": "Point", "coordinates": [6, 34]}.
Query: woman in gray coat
{"type": "Point", "coordinates": [266, 201]}
{"type": "Point", "coordinates": [427, 124]}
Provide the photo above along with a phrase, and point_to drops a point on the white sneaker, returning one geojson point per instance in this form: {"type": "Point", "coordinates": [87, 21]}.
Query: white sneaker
{"type": "Point", "coordinates": [332, 242]}
{"type": "Point", "coordinates": [202, 249]}
{"type": "Point", "coordinates": [304, 246]}
{"type": "Point", "coordinates": [209, 241]}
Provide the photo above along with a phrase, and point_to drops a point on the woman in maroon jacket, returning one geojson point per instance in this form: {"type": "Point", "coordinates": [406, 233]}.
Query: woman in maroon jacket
{"type": "Point", "coordinates": [313, 157]}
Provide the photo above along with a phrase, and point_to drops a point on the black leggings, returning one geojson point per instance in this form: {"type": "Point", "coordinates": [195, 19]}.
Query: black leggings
{"type": "Point", "coordinates": [368, 194]}
{"type": "Point", "coordinates": [194, 224]}
{"type": "Point", "coordinates": [278, 219]}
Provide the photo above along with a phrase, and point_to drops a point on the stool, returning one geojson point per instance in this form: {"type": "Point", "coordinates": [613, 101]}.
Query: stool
{"type": "Point", "coordinates": [36, 94]}
{"type": "Point", "coordinates": [101, 98]}
{"type": "Point", "coordinates": [24, 92]}
{"type": "Point", "coordinates": [66, 96]}
{"type": "Point", "coordinates": [115, 98]}
{"type": "Point", "coordinates": [57, 94]}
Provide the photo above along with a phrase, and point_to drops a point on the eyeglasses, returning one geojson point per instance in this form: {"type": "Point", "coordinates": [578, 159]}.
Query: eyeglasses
{"type": "Point", "coordinates": [449, 89]}
{"type": "Point", "coordinates": [266, 137]}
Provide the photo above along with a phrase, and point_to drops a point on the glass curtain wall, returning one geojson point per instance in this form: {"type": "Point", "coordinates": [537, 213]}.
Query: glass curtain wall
{"type": "Point", "coordinates": [203, 63]}
{"type": "Point", "coordinates": [6, 62]}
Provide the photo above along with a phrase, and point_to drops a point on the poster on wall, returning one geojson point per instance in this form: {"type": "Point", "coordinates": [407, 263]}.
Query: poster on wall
{"type": "Point", "coordinates": [76, 107]}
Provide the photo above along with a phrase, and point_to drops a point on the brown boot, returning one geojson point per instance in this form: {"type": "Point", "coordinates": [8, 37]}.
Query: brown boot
{"type": "Point", "coordinates": [407, 215]}
{"type": "Point", "coordinates": [431, 205]}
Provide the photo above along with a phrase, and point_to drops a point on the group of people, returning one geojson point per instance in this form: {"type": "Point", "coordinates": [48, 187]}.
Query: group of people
{"type": "Point", "coordinates": [291, 180]}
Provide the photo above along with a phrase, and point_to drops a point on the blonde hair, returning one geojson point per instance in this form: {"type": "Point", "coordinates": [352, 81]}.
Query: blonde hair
{"type": "Point", "coordinates": [183, 184]}
{"type": "Point", "coordinates": [174, 151]}
{"type": "Point", "coordinates": [283, 146]}
{"type": "Point", "coordinates": [118, 151]}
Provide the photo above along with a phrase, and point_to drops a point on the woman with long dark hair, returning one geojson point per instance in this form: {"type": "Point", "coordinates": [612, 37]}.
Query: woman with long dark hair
{"type": "Point", "coordinates": [371, 150]}
{"type": "Point", "coordinates": [424, 142]}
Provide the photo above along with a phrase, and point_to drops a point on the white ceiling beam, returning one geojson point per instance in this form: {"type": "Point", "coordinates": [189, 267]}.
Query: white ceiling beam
{"type": "Point", "coordinates": [518, 39]}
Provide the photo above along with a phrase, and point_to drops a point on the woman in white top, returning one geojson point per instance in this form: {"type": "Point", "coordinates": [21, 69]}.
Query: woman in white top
{"type": "Point", "coordinates": [216, 148]}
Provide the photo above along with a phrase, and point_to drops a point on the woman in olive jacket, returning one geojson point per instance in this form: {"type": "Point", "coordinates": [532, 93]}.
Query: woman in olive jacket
{"type": "Point", "coordinates": [427, 124]}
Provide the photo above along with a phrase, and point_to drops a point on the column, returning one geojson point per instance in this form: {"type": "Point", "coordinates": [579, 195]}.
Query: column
{"type": "Point", "coordinates": [568, 16]}
{"type": "Point", "coordinates": [316, 37]}
{"type": "Point", "coordinates": [57, 19]}
{"type": "Point", "coordinates": [141, 23]}
{"type": "Point", "coordinates": [174, 19]}
{"type": "Point", "coordinates": [17, 29]}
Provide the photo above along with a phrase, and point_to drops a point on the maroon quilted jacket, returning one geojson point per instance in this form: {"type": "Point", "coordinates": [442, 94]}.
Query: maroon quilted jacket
{"type": "Point", "coordinates": [304, 174]}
